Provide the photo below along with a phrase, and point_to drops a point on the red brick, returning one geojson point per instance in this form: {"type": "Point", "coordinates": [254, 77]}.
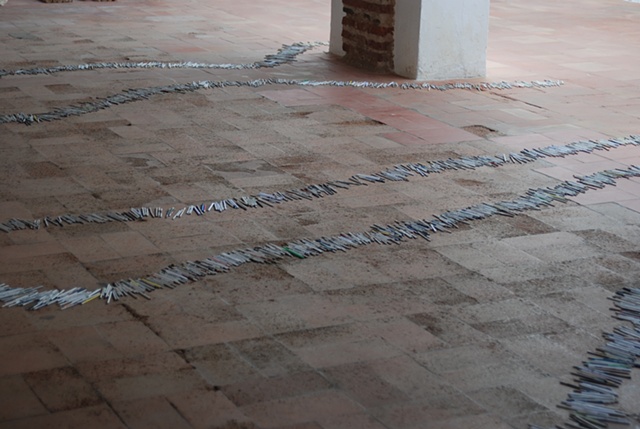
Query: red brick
{"type": "Point", "coordinates": [370, 6]}
{"type": "Point", "coordinates": [363, 41]}
{"type": "Point", "coordinates": [365, 31]}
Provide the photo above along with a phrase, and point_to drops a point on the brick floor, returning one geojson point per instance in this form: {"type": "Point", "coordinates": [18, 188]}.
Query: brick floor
{"type": "Point", "coordinates": [473, 329]}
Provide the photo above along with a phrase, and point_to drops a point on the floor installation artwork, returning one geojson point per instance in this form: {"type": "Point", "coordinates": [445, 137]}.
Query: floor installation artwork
{"type": "Point", "coordinates": [326, 248]}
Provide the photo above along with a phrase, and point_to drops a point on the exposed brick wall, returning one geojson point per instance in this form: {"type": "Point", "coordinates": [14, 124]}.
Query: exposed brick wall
{"type": "Point", "coordinates": [367, 33]}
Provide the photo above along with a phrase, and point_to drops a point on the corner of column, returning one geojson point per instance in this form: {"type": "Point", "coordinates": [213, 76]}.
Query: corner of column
{"type": "Point", "coordinates": [335, 38]}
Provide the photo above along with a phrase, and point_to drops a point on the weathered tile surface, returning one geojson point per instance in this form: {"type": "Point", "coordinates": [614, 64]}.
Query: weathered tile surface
{"type": "Point", "coordinates": [473, 329]}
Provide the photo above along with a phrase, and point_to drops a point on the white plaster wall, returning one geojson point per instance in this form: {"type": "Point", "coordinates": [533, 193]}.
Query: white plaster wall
{"type": "Point", "coordinates": [441, 39]}
{"type": "Point", "coordinates": [406, 35]}
{"type": "Point", "coordinates": [335, 37]}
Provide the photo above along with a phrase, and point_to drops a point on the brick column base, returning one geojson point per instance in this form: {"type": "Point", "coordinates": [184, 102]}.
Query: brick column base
{"type": "Point", "coordinates": [417, 39]}
{"type": "Point", "coordinates": [367, 33]}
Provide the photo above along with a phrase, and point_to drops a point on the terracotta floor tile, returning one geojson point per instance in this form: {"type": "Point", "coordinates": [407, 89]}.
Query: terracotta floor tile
{"type": "Point", "coordinates": [85, 315]}
{"type": "Point", "coordinates": [303, 312]}
{"type": "Point", "coordinates": [200, 333]}
{"type": "Point", "coordinates": [131, 338]}
{"type": "Point", "coordinates": [605, 196]}
{"type": "Point", "coordinates": [263, 389]}
{"type": "Point", "coordinates": [129, 243]}
{"type": "Point", "coordinates": [473, 329]}
{"type": "Point", "coordinates": [294, 97]}
{"type": "Point", "coordinates": [10, 209]}
{"type": "Point", "coordinates": [150, 385]}
{"type": "Point", "coordinates": [411, 265]}
{"type": "Point", "coordinates": [410, 377]}
{"type": "Point", "coordinates": [482, 421]}
{"type": "Point", "coordinates": [336, 274]}
{"type": "Point", "coordinates": [62, 389]}
{"type": "Point", "coordinates": [301, 409]}
{"type": "Point", "coordinates": [560, 173]}
{"type": "Point", "coordinates": [157, 363]}
{"type": "Point", "coordinates": [29, 352]}
{"type": "Point", "coordinates": [633, 204]}
{"type": "Point", "coordinates": [344, 353]}
{"type": "Point", "coordinates": [205, 408]}
{"type": "Point", "coordinates": [433, 413]}
{"type": "Point", "coordinates": [542, 345]}
{"type": "Point", "coordinates": [504, 329]}
{"type": "Point", "coordinates": [16, 322]}
{"type": "Point", "coordinates": [491, 375]}
{"type": "Point", "coordinates": [439, 135]}
{"type": "Point", "coordinates": [88, 249]}
{"type": "Point", "coordinates": [155, 412]}
{"type": "Point", "coordinates": [458, 358]}
{"type": "Point", "coordinates": [275, 282]}
{"type": "Point", "coordinates": [407, 138]}
{"type": "Point", "coordinates": [589, 168]}
{"type": "Point", "coordinates": [351, 421]}
{"type": "Point", "coordinates": [369, 303]}
{"type": "Point", "coordinates": [25, 251]}
{"type": "Point", "coordinates": [99, 417]}
{"type": "Point", "coordinates": [75, 274]}
{"type": "Point", "coordinates": [363, 385]}
{"type": "Point", "coordinates": [18, 400]}
{"type": "Point", "coordinates": [405, 335]}
{"type": "Point", "coordinates": [631, 186]}
{"type": "Point", "coordinates": [269, 357]}
{"type": "Point", "coordinates": [537, 386]}
{"type": "Point", "coordinates": [343, 333]}
{"type": "Point", "coordinates": [83, 344]}
{"type": "Point", "coordinates": [550, 246]}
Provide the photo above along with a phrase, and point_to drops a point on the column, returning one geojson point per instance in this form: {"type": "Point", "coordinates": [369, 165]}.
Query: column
{"type": "Point", "coordinates": [441, 39]}
{"type": "Point", "coordinates": [417, 39]}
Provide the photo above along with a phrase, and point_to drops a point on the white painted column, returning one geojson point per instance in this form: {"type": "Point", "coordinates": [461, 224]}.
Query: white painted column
{"type": "Point", "coordinates": [335, 40]}
{"type": "Point", "coordinates": [441, 39]}
{"type": "Point", "coordinates": [433, 39]}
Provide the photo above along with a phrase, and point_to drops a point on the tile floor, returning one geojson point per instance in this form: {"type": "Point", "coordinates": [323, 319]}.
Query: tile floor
{"type": "Point", "coordinates": [473, 329]}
